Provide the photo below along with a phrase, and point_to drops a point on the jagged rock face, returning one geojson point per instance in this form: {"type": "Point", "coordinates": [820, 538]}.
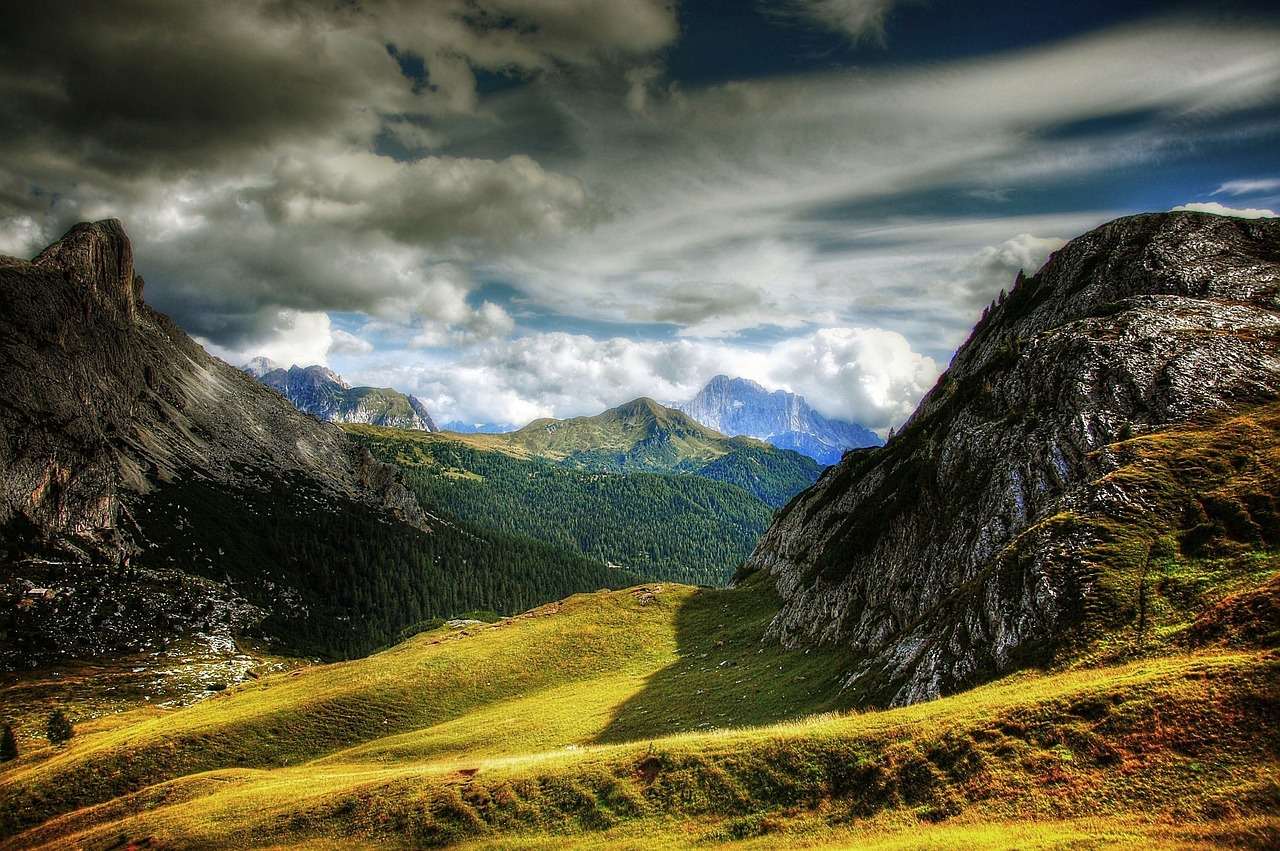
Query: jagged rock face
{"type": "Point", "coordinates": [321, 392]}
{"type": "Point", "coordinates": [104, 399]}
{"type": "Point", "coordinates": [1146, 322]}
{"type": "Point", "coordinates": [736, 406]}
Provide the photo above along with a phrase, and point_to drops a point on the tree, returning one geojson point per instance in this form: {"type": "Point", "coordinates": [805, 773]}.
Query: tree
{"type": "Point", "coordinates": [8, 744]}
{"type": "Point", "coordinates": [60, 728]}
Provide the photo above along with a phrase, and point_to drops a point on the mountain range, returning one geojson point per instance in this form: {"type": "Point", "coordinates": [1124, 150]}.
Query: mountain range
{"type": "Point", "coordinates": [1046, 613]}
{"type": "Point", "coordinates": [319, 391]}
{"type": "Point", "coordinates": [154, 492]}
{"type": "Point", "coordinates": [738, 406]}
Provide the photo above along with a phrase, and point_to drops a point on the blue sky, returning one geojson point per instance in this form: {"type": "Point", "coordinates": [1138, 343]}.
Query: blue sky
{"type": "Point", "coordinates": [521, 208]}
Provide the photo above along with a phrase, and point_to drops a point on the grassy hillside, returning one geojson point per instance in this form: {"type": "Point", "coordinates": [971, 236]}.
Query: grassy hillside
{"type": "Point", "coordinates": [639, 724]}
{"type": "Point", "coordinates": [660, 527]}
{"type": "Point", "coordinates": [657, 717]}
{"type": "Point", "coordinates": [645, 437]}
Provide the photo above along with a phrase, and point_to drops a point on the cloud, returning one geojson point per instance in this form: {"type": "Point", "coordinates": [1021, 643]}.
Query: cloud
{"type": "Point", "coordinates": [1248, 187]}
{"type": "Point", "coordinates": [293, 337]}
{"type": "Point", "coordinates": [871, 376]}
{"type": "Point", "coordinates": [996, 267]}
{"type": "Point", "coordinates": [1218, 209]}
{"type": "Point", "coordinates": [858, 19]}
{"type": "Point", "coordinates": [346, 343]}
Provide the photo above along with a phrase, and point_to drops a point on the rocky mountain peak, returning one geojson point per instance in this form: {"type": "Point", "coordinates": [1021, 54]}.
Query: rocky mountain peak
{"type": "Point", "coordinates": [97, 257]}
{"type": "Point", "coordinates": [903, 553]}
{"type": "Point", "coordinates": [739, 406]}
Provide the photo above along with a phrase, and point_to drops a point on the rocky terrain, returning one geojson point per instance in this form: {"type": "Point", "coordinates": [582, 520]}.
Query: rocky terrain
{"type": "Point", "coordinates": [737, 406]}
{"type": "Point", "coordinates": [106, 407]}
{"type": "Point", "coordinates": [960, 550]}
{"type": "Point", "coordinates": [321, 392]}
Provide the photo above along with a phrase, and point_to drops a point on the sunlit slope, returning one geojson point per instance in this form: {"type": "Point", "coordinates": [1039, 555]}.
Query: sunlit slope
{"type": "Point", "coordinates": [605, 666]}
{"type": "Point", "coordinates": [1177, 751]}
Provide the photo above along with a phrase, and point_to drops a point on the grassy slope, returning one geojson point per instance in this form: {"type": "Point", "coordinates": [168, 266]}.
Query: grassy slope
{"type": "Point", "coordinates": [634, 718]}
{"type": "Point", "coordinates": [457, 735]}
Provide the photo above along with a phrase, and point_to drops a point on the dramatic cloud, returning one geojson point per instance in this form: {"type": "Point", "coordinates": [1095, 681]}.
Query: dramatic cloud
{"type": "Point", "coordinates": [1215, 207]}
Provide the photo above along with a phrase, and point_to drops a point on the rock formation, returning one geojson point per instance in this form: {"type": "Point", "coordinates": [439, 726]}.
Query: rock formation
{"type": "Point", "coordinates": [321, 392]}
{"type": "Point", "coordinates": [931, 558]}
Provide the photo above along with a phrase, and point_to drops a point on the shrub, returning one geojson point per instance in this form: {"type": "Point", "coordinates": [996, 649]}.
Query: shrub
{"type": "Point", "coordinates": [60, 728]}
{"type": "Point", "coordinates": [8, 744]}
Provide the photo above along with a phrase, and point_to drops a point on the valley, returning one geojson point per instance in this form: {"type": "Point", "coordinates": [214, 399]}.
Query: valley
{"type": "Point", "coordinates": [1046, 613]}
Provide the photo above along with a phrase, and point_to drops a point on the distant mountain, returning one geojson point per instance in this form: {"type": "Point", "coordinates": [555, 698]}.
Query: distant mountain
{"type": "Point", "coordinates": [737, 406]}
{"type": "Point", "coordinates": [642, 436]}
{"type": "Point", "coordinates": [151, 493]}
{"type": "Point", "coordinates": [321, 392]}
{"type": "Point", "coordinates": [460, 427]}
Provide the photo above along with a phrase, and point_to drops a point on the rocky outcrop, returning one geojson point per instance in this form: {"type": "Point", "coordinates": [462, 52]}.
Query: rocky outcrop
{"type": "Point", "coordinates": [736, 406]}
{"type": "Point", "coordinates": [902, 553]}
{"type": "Point", "coordinates": [321, 392]}
{"type": "Point", "coordinates": [104, 400]}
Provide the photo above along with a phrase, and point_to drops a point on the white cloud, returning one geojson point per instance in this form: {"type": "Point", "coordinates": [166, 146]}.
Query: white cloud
{"type": "Point", "coordinates": [857, 19]}
{"type": "Point", "coordinates": [871, 376]}
{"type": "Point", "coordinates": [1248, 187]}
{"type": "Point", "coordinates": [996, 267]}
{"type": "Point", "coordinates": [345, 343]}
{"type": "Point", "coordinates": [1217, 209]}
{"type": "Point", "coordinates": [295, 337]}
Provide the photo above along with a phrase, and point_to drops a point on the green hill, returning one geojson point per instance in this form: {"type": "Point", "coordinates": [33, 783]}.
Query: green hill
{"type": "Point", "coordinates": [645, 437]}
{"type": "Point", "coordinates": [661, 527]}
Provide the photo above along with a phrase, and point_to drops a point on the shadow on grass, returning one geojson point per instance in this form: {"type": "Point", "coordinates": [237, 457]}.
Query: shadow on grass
{"type": "Point", "coordinates": [727, 674]}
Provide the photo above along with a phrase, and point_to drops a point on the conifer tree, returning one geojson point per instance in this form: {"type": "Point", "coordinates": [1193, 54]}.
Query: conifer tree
{"type": "Point", "coordinates": [8, 744]}
{"type": "Point", "coordinates": [60, 728]}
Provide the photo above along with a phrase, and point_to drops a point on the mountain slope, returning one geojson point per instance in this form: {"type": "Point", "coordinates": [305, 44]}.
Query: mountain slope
{"type": "Point", "coordinates": [154, 492]}
{"type": "Point", "coordinates": [321, 392]}
{"type": "Point", "coordinates": [741, 407]}
{"type": "Point", "coordinates": [642, 436]}
{"type": "Point", "coordinates": [660, 527]}
{"type": "Point", "coordinates": [1014, 519]}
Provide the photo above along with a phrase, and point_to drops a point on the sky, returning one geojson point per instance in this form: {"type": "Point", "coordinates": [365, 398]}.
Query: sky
{"type": "Point", "coordinates": [525, 208]}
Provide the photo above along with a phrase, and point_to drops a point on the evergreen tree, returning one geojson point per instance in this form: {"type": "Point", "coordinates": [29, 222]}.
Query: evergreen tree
{"type": "Point", "coordinates": [8, 744]}
{"type": "Point", "coordinates": [60, 728]}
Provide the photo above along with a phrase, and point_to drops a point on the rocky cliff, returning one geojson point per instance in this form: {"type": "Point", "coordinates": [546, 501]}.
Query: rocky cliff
{"type": "Point", "coordinates": [105, 404]}
{"type": "Point", "coordinates": [960, 550]}
{"type": "Point", "coordinates": [321, 392]}
{"type": "Point", "coordinates": [736, 406]}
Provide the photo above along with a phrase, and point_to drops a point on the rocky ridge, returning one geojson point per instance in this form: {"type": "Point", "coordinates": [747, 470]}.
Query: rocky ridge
{"type": "Point", "coordinates": [319, 391]}
{"type": "Point", "coordinates": [738, 406]}
{"type": "Point", "coordinates": [104, 404]}
{"type": "Point", "coordinates": [934, 559]}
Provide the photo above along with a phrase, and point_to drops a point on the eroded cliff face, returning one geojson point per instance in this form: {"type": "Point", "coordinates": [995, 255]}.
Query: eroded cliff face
{"type": "Point", "coordinates": [902, 553]}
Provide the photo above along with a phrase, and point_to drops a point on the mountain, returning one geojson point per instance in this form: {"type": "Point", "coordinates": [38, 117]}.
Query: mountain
{"type": "Point", "coordinates": [1095, 474]}
{"type": "Point", "coordinates": [642, 436]}
{"type": "Point", "coordinates": [738, 406]}
{"type": "Point", "coordinates": [460, 427]}
{"type": "Point", "coordinates": [321, 392]}
{"type": "Point", "coordinates": [660, 527]}
{"type": "Point", "coordinates": [154, 492]}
